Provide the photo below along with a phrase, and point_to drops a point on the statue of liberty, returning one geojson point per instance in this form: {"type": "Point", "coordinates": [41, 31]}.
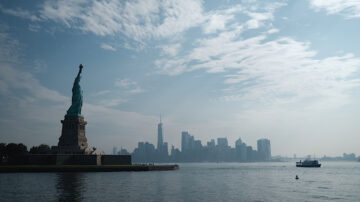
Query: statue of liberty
{"type": "Point", "coordinates": [76, 101]}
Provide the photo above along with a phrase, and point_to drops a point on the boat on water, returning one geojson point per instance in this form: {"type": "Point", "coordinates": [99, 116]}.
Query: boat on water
{"type": "Point", "coordinates": [308, 163]}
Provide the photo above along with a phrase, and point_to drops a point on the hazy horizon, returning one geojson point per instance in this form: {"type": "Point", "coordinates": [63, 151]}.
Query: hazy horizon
{"type": "Point", "coordinates": [287, 71]}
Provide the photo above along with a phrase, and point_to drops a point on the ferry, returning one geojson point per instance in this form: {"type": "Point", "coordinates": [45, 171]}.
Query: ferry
{"type": "Point", "coordinates": [308, 163]}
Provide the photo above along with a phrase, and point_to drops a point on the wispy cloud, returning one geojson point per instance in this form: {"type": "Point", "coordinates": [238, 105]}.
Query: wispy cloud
{"type": "Point", "coordinates": [135, 90]}
{"type": "Point", "coordinates": [15, 79]}
{"type": "Point", "coordinates": [19, 12]}
{"type": "Point", "coordinates": [170, 49]}
{"type": "Point", "coordinates": [216, 22]}
{"type": "Point", "coordinates": [257, 19]}
{"type": "Point", "coordinates": [272, 31]}
{"type": "Point", "coordinates": [349, 9]}
{"type": "Point", "coordinates": [153, 19]}
{"type": "Point", "coordinates": [107, 47]}
{"type": "Point", "coordinates": [9, 48]}
{"type": "Point", "coordinates": [112, 102]}
{"type": "Point", "coordinates": [129, 86]}
{"type": "Point", "coordinates": [125, 83]}
{"type": "Point", "coordinates": [137, 20]}
{"type": "Point", "coordinates": [276, 71]}
{"type": "Point", "coordinates": [40, 65]}
{"type": "Point", "coordinates": [103, 92]}
{"type": "Point", "coordinates": [12, 79]}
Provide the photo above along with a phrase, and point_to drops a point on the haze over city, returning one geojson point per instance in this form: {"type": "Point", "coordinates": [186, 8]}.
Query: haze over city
{"type": "Point", "coordinates": [287, 71]}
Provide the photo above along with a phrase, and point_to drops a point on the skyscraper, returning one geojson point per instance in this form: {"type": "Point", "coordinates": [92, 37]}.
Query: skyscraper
{"type": "Point", "coordinates": [160, 137]}
{"type": "Point", "coordinates": [240, 149]}
{"type": "Point", "coordinates": [114, 150]}
{"type": "Point", "coordinates": [187, 141]}
{"type": "Point", "coordinates": [222, 142]}
{"type": "Point", "coordinates": [211, 144]}
{"type": "Point", "coordinates": [264, 149]}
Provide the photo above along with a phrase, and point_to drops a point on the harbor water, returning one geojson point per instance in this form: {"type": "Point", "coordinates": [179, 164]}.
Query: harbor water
{"type": "Point", "coordinates": [334, 181]}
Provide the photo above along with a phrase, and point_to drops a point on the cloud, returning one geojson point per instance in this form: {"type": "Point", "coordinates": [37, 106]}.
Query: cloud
{"type": "Point", "coordinates": [216, 22]}
{"type": "Point", "coordinates": [12, 79]}
{"type": "Point", "coordinates": [113, 98]}
{"type": "Point", "coordinates": [16, 80]}
{"type": "Point", "coordinates": [171, 49]}
{"type": "Point", "coordinates": [18, 12]}
{"type": "Point", "coordinates": [107, 47]}
{"type": "Point", "coordinates": [129, 85]}
{"type": "Point", "coordinates": [103, 92]}
{"type": "Point", "coordinates": [138, 20]}
{"type": "Point", "coordinates": [141, 21]}
{"type": "Point", "coordinates": [9, 48]}
{"type": "Point", "coordinates": [34, 27]}
{"type": "Point", "coordinates": [40, 65]}
{"type": "Point", "coordinates": [257, 19]}
{"type": "Point", "coordinates": [259, 70]}
{"type": "Point", "coordinates": [272, 31]}
{"type": "Point", "coordinates": [349, 9]}
{"type": "Point", "coordinates": [135, 90]}
{"type": "Point", "coordinates": [125, 83]}
{"type": "Point", "coordinates": [64, 12]}
{"type": "Point", "coordinates": [112, 102]}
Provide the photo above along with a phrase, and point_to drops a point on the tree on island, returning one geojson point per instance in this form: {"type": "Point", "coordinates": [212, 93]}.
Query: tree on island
{"type": "Point", "coordinates": [41, 149]}
{"type": "Point", "coordinates": [15, 153]}
{"type": "Point", "coordinates": [2, 151]}
{"type": "Point", "coordinates": [13, 149]}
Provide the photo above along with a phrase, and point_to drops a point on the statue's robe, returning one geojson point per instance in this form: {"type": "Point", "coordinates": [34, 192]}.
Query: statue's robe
{"type": "Point", "coordinates": [76, 101]}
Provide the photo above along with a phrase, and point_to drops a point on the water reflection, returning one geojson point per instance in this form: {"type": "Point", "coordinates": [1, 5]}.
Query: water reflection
{"type": "Point", "coordinates": [70, 186]}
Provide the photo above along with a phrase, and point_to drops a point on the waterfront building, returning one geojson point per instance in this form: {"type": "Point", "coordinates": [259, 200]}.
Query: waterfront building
{"type": "Point", "coordinates": [222, 142]}
{"type": "Point", "coordinates": [145, 153]}
{"type": "Point", "coordinates": [197, 145]}
{"type": "Point", "coordinates": [187, 141]}
{"type": "Point", "coordinates": [165, 151]}
{"type": "Point", "coordinates": [123, 152]}
{"type": "Point", "coordinates": [264, 149]}
{"type": "Point", "coordinates": [114, 150]}
{"type": "Point", "coordinates": [211, 144]}
{"type": "Point", "coordinates": [240, 148]}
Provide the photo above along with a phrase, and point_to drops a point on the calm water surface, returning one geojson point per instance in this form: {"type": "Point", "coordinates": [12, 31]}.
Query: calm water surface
{"type": "Point", "coordinates": [334, 181]}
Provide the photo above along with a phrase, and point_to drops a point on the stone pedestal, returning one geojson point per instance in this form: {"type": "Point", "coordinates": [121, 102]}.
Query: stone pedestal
{"type": "Point", "coordinates": [73, 139]}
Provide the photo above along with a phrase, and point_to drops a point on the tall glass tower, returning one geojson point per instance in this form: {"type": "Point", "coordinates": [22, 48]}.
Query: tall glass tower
{"type": "Point", "coordinates": [160, 137]}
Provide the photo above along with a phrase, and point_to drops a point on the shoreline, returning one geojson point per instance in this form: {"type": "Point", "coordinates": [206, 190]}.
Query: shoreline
{"type": "Point", "coordinates": [85, 168]}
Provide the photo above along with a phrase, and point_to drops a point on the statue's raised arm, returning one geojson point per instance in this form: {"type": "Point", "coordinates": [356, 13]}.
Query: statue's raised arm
{"type": "Point", "coordinates": [76, 101]}
{"type": "Point", "coordinates": [80, 69]}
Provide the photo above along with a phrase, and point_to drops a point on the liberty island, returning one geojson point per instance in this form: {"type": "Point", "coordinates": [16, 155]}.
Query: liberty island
{"type": "Point", "coordinates": [73, 154]}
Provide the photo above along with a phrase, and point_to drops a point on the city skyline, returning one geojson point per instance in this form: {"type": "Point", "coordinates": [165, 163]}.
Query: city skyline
{"type": "Point", "coordinates": [284, 70]}
{"type": "Point", "coordinates": [239, 151]}
{"type": "Point", "coordinates": [192, 150]}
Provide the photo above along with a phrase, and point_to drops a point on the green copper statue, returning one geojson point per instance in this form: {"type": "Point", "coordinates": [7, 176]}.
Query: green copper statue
{"type": "Point", "coordinates": [76, 101]}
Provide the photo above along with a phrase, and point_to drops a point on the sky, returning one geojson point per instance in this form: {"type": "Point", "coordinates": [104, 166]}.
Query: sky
{"type": "Point", "coordinates": [283, 70]}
